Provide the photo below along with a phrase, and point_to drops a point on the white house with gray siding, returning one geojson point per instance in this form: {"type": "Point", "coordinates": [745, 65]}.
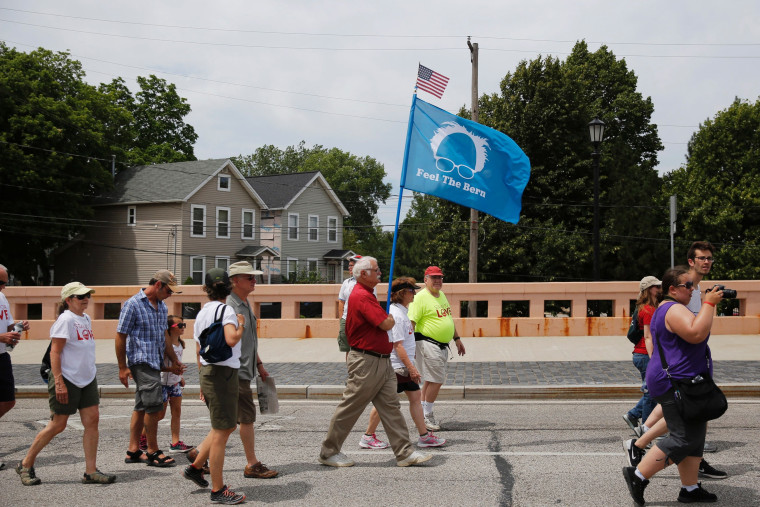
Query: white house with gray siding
{"type": "Point", "coordinates": [303, 223]}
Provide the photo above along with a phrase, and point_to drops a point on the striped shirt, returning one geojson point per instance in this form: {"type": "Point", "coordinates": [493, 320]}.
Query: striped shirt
{"type": "Point", "coordinates": [144, 327]}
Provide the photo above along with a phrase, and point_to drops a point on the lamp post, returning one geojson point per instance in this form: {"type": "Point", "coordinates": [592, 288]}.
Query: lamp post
{"type": "Point", "coordinates": [596, 132]}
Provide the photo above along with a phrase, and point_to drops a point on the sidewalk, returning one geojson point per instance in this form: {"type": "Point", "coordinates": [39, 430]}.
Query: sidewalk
{"type": "Point", "coordinates": [492, 368]}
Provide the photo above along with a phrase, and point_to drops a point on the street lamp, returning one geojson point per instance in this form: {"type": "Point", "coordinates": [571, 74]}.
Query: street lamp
{"type": "Point", "coordinates": [596, 132]}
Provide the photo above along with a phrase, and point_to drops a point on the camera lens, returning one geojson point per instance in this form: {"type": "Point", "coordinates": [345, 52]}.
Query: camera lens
{"type": "Point", "coordinates": [729, 293]}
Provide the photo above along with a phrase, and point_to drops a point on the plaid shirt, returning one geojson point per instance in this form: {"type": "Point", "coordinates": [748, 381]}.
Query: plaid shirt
{"type": "Point", "coordinates": [144, 327]}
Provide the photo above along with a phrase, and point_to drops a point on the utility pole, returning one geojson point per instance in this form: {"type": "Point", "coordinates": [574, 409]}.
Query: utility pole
{"type": "Point", "coordinates": [473, 278]}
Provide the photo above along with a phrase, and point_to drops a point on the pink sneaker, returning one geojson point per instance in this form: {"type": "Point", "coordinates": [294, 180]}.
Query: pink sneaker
{"type": "Point", "coordinates": [430, 440]}
{"type": "Point", "coordinates": [372, 442]}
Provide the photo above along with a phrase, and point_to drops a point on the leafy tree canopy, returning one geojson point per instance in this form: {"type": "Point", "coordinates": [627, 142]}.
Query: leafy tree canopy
{"type": "Point", "coordinates": [718, 190]}
{"type": "Point", "coordinates": [57, 135]}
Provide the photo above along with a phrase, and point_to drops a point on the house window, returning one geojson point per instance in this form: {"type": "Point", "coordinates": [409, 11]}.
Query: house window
{"type": "Point", "coordinates": [312, 265]}
{"type": "Point", "coordinates": [222, 222]}
{"type": "Point", "coordinates": [198, 219]}
{"type": "Point", "coordinates": [197, 269]}
{"type": "Point", "coordinates": [291, 269]}
{"type": "Point", "coordinates": [249, 223]}
{"type": "Point", "coordinates": [332, 229]}
{"type": "Point", "coordinates": [313, 228]}
{"type": "Point", "coordinates": [131, 216]}
{"type": "Point", "coordinates": [223, 183]}
{"type": "Point", "coordinates": [222, 262]}
{"type": "Point", "coordinates": [293, 226]}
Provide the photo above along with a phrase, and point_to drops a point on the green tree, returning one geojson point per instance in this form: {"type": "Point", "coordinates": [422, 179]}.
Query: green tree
{"type": "Point", "coordinates": [357, 181]}
{"type": "Point", "coordinates": [718, 190]}
{"type": "Point", "coordinates": [47, 113]}
{"type": "Point", "coordinates": [545, 106]}
{"type": "Point", "coordinates": [57, 136]}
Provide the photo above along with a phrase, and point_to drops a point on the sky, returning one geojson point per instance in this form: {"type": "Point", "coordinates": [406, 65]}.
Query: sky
{"type": "Point", "coordinates": [341, 74]}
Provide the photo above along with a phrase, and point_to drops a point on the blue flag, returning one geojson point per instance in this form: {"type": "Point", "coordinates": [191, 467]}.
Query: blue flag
{"type": "Point", "coordinates": [464, 162]}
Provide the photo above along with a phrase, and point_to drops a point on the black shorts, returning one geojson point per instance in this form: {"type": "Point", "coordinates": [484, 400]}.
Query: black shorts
{"type": "Point", "coordinates": [686, 438]}
{"type": "Point", "coordinates": [7, 383]}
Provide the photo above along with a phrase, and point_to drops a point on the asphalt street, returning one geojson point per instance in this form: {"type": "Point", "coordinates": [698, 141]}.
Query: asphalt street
{"type": "Point", "coordinates": [523, 453]}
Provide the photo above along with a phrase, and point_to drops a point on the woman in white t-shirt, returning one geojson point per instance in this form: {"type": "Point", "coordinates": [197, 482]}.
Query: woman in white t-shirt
{"type": "Point", "coordinates": [72, 385]}
{"type": "Point", "coordinates": [219, 386]}
{"type": "Point", "coordinates": [403, 355]}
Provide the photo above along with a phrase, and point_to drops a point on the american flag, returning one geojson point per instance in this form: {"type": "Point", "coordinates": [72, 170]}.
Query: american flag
{"type": "Point", "coordinates": [431, 82]}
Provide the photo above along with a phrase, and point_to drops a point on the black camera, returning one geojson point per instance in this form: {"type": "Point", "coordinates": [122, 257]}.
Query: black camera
{"type": "Point", "coordinates": [727, 293]}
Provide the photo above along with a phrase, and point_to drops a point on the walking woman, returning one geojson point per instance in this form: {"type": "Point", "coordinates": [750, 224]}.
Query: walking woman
{"type": "Point", "coordinates": [682, 338]}
{"type": "Point", "coordinates": [649, 292]}
{"type": "Point", "coordinates": [72, 385]}
{"type": "Point", "coordinates": [403, 355]}
{"type": "Point", "coordinates": [219, 387]}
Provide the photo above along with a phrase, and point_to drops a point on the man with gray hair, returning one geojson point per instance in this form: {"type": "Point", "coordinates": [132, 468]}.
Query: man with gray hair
{"type": "Point", "coordinates": [370, 375]}
{"type": "Point", "coordinates": [9, 338]}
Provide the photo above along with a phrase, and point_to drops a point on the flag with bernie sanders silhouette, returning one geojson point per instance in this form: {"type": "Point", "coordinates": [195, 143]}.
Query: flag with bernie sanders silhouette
{"type": "Point", "coordinates": [464, 162]}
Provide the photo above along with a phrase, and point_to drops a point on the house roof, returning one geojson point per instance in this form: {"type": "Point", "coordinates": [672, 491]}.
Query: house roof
{"type": "Point", "coordinates": [281, 190]}
{"type": "Point", "coordinates": [172, 182]}
{"type": "Point", "coordinates": [256, 252]}
{"type": "Point", "coordinates": [339, 254]}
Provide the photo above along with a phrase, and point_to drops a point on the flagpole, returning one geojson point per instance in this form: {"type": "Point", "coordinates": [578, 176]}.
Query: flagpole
{"type": "Point", "coordinates": [400, 195]}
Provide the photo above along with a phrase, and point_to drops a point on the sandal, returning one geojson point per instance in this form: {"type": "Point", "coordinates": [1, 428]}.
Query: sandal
{"type": "Point", "coordinates": [155, 461]}
{"type": "Point", "coordinates": [135, 457]}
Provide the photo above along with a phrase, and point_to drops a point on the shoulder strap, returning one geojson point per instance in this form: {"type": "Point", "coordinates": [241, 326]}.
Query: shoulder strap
{"type": "Point", "coordinates": [217, 317]}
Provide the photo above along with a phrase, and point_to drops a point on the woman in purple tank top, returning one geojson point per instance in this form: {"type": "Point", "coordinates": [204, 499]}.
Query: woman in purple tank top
{"type": "Point", "coordinates": [682, 336]}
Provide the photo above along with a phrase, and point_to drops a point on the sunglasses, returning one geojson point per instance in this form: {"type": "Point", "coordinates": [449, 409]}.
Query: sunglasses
{"type": "Point", "coordinates": [3, 283]}
{"type": "Point", "coordinates": [168, 290]}
{"type": "Point", "coordinates": [80, 297]}
{"type": "Point", "coordinates": [250, 278]}
{"type": "Point", "coordinates": [688, 285]}
{"type": "Point", "coordinates": [180, 325]}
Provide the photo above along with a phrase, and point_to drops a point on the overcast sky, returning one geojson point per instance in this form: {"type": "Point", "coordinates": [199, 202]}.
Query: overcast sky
{"type": "Point", "coordinates": [341, 74]}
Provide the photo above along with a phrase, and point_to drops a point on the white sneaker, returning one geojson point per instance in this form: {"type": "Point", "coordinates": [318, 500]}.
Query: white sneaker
{"type": "Point", "coordinates": [414, 459]}
{"type": "Point", "coordinates": [430, 423]}
{"type": "Point", "coordinates": [337, 460]}
{"type": "Point", "coordinates": [372, 442]}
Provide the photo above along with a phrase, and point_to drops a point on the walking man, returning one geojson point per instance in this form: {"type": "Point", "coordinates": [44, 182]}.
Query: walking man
{"type": "Point", "coordinates": [140, 347]}
{"type": "Point", "coordinates": [243, 278]}
{"type": "Point", "coordinates": [370, 375]}
{"type": "Point", "coordinates": [434, 329]}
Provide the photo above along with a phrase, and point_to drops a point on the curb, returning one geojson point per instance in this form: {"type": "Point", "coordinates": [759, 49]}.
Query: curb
{"type": "Point", "coordinates": [474, 393]}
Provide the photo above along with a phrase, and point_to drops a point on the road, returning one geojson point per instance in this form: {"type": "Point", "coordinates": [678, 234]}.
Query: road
{"type": "Point", "coordinates": [500, 453]}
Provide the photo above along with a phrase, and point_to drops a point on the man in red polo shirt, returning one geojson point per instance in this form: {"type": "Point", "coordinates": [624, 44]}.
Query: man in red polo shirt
{"type": "Point", "coordinates": [370, 375]}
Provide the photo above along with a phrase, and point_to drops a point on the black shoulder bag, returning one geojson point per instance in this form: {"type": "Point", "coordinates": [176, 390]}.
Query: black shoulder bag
{"type": "Point", "coordinates": [697, 399]}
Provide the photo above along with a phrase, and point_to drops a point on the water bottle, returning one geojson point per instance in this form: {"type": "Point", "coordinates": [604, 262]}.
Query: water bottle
{"type": "Point", "coordinates": [19, 328]}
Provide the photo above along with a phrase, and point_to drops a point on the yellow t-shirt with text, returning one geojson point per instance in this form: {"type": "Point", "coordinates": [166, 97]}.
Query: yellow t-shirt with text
{"type": "Point", "coordinates": [432, 316]}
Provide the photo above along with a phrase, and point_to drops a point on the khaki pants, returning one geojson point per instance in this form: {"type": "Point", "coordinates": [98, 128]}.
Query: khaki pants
{"type": "Point", "coordinates": [370, 379]}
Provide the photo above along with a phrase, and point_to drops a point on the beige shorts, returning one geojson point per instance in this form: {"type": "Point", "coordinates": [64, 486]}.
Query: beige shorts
{"type": "Point", "coordinates": [431, 362]}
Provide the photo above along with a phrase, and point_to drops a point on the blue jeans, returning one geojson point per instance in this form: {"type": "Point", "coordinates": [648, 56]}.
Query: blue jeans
{"type": "Point", "coordinates": [646, 404]}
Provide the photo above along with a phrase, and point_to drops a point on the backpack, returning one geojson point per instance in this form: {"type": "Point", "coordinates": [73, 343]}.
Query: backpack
{"type": "Point", "coordinates": [214, 348]}
{"type": "Point", "coordinates": [635, 333]}
{"type": "Point", "coordinates": [45, 366]}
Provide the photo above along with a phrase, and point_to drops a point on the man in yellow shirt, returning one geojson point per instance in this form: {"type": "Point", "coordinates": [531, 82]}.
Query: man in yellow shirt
{"type": "Point", "coordinates": [430, 314]}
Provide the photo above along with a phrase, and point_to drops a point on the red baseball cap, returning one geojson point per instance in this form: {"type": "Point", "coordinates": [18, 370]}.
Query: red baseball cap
{"type": "Point", "coordinates": [433, 271]}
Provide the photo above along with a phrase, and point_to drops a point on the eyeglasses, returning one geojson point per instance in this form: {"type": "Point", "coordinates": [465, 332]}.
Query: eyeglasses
{"type": "Point", "coordinates": [180, 325]}
{"type": "Point", "coordinates": [702, 258]}
{"type": "Point", "coordinates": [250, 278]}
{"type": "Point", "coordinates": [80, 297]}
{"type": "Point", "coordinates": [168, 290]}
{"type": "Point", "coordinates": [413, 291]}
{"type": "Point", "coordinates": [688, 285]}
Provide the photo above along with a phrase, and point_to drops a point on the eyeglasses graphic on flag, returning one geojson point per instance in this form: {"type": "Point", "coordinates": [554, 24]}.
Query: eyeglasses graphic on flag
{"type": "Point", "coordinates": [430, 81]}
